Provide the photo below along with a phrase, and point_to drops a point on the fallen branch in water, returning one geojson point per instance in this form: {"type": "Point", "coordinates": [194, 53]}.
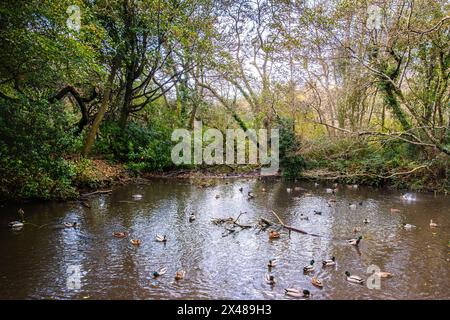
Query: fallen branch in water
{"type": "Point", "coordinates": [290, 228]}
{"type": "Point", "coordinates": [96, 192]}
{"type": "Point", "coordinates": [328, 175]}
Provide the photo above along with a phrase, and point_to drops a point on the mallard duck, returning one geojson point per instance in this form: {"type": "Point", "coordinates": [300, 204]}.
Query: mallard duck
{"type": "Point", "coordinates": [408, 226]}
{"type": "Point", "coordinates": [307, 194]}
{"type": "Point", "coordinates": [135, 242]}
{"type": "Point", "coordinates": [192, 217]}
{"type": "Point", "coordinates": [354, 279]}
{"type": "Point", "coordinates": [317, 282]}
{"type": "Point", "coordinates": [309, 268]}
{"type": "Point", "coordinates": [179, 275]}
{"type": "Point", "coordinates": [383, 274]}
{"type": "Point", "coordinates": [120, 234]}
{"type": "Point", "coordinates": [217, 196]}
{"type": "Point", "coordinates": [159, 272]}
{"type": "Point", "coordinates": [250, 195]}
{"type": "Point", "coordinates": [161, 238]}
{"type": "Point", "coordinates": [355, 186]}
{"type": "Point", "coordinates": [393, 210]}
{"type": "Point", "coordinates": [366, 221]}
{"type": "Point", "coordinates": [272, 263]}
{"type": "Point", "coordinates": [329, 262]}
{"type": "Point", "coordinates": [352, 206]}
{"type": "Point", "coordinates": [303, 217]}
{"type": "Point", "coordinates": [329, 190]}
{"type": "Point", "coordinates": [16, 225]}
{"type": "Point", "coordinates": [316, 184]}
{"type": "Point", "coordinates": [70, 224]}
{"type": "Point", "coordinates": [297, 293]}
{"type": "Point", "coordinates": [319, 213]}
{"type": "Point", "coordinates": [408, 197]}
{"type": "Point", "coordinates": [270, 279]}
{"type": "Point", "coordinates": [355, 230]}
{"type": "Point", "coordinates": [274, 234]}
{"type": "Point", "coordinates": [263, 189]}
{"type": "Point", "coordinates": [335, 185]}
{"type": "Point", "coordinates": [240, 189]}
{"type": "Point", "coordinates": [354, 241]}
{"type": "Point", "coordinates": [137, 196]}
{"type": "Point", "coordinates": [433, 224]}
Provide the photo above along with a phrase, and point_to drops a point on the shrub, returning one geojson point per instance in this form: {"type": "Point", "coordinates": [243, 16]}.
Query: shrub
{"type": "Point", "coordinates": [291, 162]}
{"type": "Point", "coordinates": [33, 140]}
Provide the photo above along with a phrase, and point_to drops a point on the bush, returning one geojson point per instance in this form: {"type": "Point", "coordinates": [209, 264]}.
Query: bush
{"type": "Point", "coordinates": [291, 162]}
{"type": "Point", "coordinates": [141, 148]}
{"type": "Point", "coordinates": [33, 140]}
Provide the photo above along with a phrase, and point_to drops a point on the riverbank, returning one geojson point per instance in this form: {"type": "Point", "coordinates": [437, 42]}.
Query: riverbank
{"type": "Point", "coordinates": [90, 175]}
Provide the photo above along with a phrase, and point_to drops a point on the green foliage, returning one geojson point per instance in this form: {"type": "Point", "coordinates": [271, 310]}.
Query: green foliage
{"type": "Point", "coordinates": [86, 175]}
{"type": "Point", "coordinates": [291, 162]}
{"type": "Point", "coordinates": [140, 147]}
{"type": "Point", "coordinates": [33, 141]}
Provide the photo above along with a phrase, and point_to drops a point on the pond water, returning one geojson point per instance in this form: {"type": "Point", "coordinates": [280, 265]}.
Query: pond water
{"type": "Point", "coordinates": [47, 260]}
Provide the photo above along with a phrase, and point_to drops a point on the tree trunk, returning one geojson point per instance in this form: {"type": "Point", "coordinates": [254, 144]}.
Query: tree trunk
{"type": "Point", "coordinates": [101, 113]}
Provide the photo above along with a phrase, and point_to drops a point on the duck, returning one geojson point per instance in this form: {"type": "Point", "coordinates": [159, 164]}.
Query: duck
{"type": "Point", "coordinates": [408, 226]}
{"type": "Point", "coordinates": [433, 224]}
{"type": "Point", "coordinates": [120, 234]}
{"type": "Point", "coordinates": [250, 195]}
{"type": "Point", "coordinates": [240, 189]}
{"type": "Point", "coordinates": [16, 225]}
{"type": "Point", "coordinates": [263, 189]}
{"type": "Point", "coordinates": [317, 282]}
{"type": "Point", "coordinates": [316, 184]}
{"type": "Point", "coordinates": [335, 185]}
{"type": "Point", "coordinates": [70, 224]}
{"type": "Point", "coordinates": [354, 279]}
{"type": "Point", "coordinates": [272, 263]}
{"type": "Point", "coordinates": [329, 190]}
{"type": "Point", "coordinates": [179, 275]}
{"type": "Point", "coordinates": [161, 238]}
{"type": "Point", "coordinates": [135, 242]}
{"type": "Point", "coordinates": [393, 210]}
{"type": "Point", "coordinates": [297, 293]}
{"type": "Point", "coordinates": [159, 272]}
{"type": "Point", "coordinates": [21, 213]}
{"type": "Point", "coordinates": [356, 230]}
{"type": "Point", "coordinates": [354, 241]}
{"type": "Point", "coordinates": [366, 221]}
{"type": "Point", "coordinates": [408, 197]}
{"type": "Point", "coordinates": [329, 262]}
{"type": "Point", "coordinates": [192, 217]}
{"type": "Point", "coordinates": [274, 234]}
{"type": "Point", "coordinates": [217, 196]}
{"type": "Point", "coordinates": [309, 267]}
{"type": "Point", "coordinates": [137, 196]}
{"type": "Point", "coordinates": [383, 274]}
{"type": "Point", "coordinates": [319, 213]}
{"type": "Point", "coordinates": [355, 186]}
{"type": "Point", "coordinates": [270, 279]}
{"type": "Point", "coordinates": [288, 190]}
{"type": "Point", "coordinates": [303, 217]}
{"type": "Point", "coordinates": [352, 206]}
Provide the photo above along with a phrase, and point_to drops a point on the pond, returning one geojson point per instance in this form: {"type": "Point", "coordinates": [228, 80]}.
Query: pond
{"type": "Point", "coordinates": [46, 260]}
